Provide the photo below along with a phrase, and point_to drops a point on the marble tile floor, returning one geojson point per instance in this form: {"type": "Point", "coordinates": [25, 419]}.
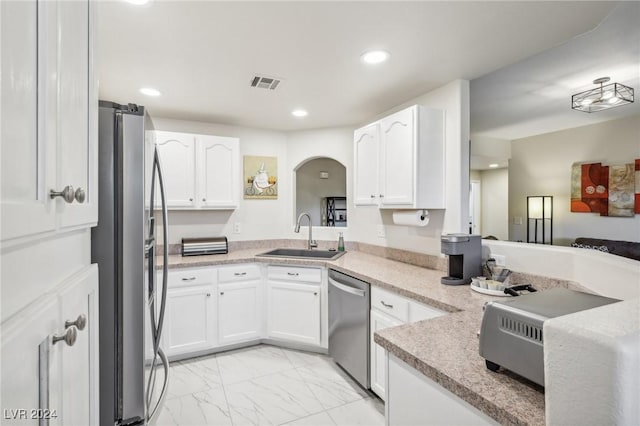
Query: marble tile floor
{"type": "Point", "coordinates": [266, 385]}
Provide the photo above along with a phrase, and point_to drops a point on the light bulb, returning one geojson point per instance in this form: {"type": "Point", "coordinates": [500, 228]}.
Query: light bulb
{"type": "Point", "coordinates": [613, 100]}
{"type": "Point", "coordinates": [586, 102]}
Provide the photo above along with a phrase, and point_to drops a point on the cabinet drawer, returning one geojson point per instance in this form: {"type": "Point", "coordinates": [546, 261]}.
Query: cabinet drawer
{"type": "Point", "coordinates": [239, 273]}
{"type": "Point", "coordinates": [292, 273]}
{"type": "Point", "coordinates": [196, 276]}
{"type": "Point", "coordinates": [390, 304]}
{"type": "Point", "coordinates": [419, 312]}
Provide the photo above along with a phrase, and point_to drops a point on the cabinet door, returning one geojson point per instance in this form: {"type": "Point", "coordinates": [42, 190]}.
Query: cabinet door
{"type": "Point", "coordinates": [378, 354]}
{"type": "Point", "coordinates": [365, 154]}
{"type": "Point", "coordinates": [397, 158]}
{"type": "Point", "coordinates": [22, 375]}
{"type": "Point", "coordinates": [239, 312]}
{"type": "Point", "coordinates": [77, 109]}
{"type": "Point", "coordinates": [189, 320]}
{"type": "Point", "coordinates": [218, 181]}
{"type": "Point", "coordinates": [27, 144]}
{"type": "Point", "coordinates": [177, 156]}
{"type": "Point", "coordinates": [294, 312]}
{"type": "Point", "coordinates": [80, 368]}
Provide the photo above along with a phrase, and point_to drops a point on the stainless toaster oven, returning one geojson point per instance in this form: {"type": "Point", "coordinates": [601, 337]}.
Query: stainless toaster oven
{"type": "Point", "coordinates": [511, 333]}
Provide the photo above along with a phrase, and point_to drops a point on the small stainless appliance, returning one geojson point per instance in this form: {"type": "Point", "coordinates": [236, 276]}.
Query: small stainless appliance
{"type": "Point", "coordinates": [464, 258]}
{"type": "Point", "coordinates": [511, 331]}
{"type": "Point", "coordinates": [208, 245]}
{"type": "Point", "coordinates": [349, 304]}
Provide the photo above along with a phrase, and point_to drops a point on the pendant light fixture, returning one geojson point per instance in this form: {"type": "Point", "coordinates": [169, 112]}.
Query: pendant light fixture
{"type": "Point", "coordinates": [603, 97]}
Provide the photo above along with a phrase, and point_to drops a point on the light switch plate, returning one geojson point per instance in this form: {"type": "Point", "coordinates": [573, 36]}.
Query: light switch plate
{"type": "Point", "coordinates": [237, 228]}
{"type": "Point", "coordinates": [381, 232]}
{"type": "Point", "coordinates": [517, 220]}
{"type": "Point", "coordinates": [501, 260]}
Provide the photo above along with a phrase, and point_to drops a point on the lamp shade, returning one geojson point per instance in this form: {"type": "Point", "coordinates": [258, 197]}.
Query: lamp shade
{"type": "Point", "coordinates": [534, 207]}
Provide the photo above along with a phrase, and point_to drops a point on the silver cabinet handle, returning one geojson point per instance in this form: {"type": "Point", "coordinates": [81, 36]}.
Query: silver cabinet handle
{"type": "Point", "coordinates": [240, 274]}
{"type": "Point", "coordinates": [386, 305]}
{"type": "Point", "coordinates": [189, 279]}
{"type": "Point", "coordinates": [80, 322]}
{"type": "Point", "coordinates": [208, 294]}
{"type": "Point", "coordinates": [69, 337]}
{"type": "Point", "coordinates": [381, 196]}
{"type": "Point", "coordinates": [373, 196]}
{"type": "Point", "coordinates": [293, 274]}
{"type": "Point", "coordinates": [80, 195]}
{"type": "Point", "coordinates": [66, 194]}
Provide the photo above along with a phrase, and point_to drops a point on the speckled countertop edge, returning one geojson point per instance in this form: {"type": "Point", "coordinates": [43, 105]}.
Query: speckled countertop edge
{"type": "Point", "coordinates": [445, 349]}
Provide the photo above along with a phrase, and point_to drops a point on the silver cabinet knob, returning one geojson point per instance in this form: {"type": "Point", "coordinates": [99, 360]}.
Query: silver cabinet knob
{"type": "Point", "coordinates": [208, 294]}
{"type": "Point", "coordinates": [381, 196]}
{"type": "Point", "coordinates": [221, 293]}
{"type": "Point", "coordinates": [373, 196]}
{"type": "Point", "coordinates": [204, 199]}
{"type": "Point", "coordinates": [80, 195]}
{"type": "Point", "coordinates": [69, 337]}
{"type": "Point", "coordinates": [80, 322]}
{"type": "Point", "coordinates": [190, 199]}
{"type": "Point", "coordinates": [66, 194]}
{"type": "Point", "coordinates": [315, 293]}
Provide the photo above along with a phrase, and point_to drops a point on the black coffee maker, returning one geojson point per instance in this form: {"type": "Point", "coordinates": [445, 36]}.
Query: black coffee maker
{"type": "Point", "coordinates": [464, 256]}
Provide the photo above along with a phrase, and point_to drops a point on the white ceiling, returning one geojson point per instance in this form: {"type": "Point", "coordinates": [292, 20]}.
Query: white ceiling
{"type": "Point", "coordinates": [202, 55]}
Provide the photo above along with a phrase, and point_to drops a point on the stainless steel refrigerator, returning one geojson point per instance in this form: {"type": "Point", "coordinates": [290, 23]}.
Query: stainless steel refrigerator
{"type": "Point", "coordinates": [133, 368]}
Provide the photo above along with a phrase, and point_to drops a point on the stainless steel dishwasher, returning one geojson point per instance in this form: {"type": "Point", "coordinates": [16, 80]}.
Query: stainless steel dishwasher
{"type": "Point", "coordinates": [349, 305]}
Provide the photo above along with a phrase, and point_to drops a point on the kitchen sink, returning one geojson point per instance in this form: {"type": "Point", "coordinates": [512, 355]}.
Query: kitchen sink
{"type": "Point", "coordinates": [303, 254]}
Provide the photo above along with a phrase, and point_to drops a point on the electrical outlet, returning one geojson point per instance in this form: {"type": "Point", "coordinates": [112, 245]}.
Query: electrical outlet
{"type": "Point", "coordinates": [501, 260]}
{"type": "Point", "coordinates": [381, 232]}
{"type": "Point", "coordinates": [237, 228]}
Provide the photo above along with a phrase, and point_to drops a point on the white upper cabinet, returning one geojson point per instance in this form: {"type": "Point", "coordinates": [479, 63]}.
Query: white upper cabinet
{"type": "Point", "coordinates": [219, 175]}
{"type": "Point", "coordinates": [49, 111]}
{"type": "Point", "coordinates": [177, 156]}
{"type": "Point", "coordinates": [77, 112]}
{"type": "Point", "coordinates": [365, 154]}
{"type": "Point", "coordinates": [410, 160]}
{"type": "Point", "coordinates": [200, 171]}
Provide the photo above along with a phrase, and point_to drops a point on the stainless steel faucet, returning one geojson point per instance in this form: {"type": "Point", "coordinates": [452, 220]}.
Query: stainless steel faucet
{"type": "Point", "coordinates": [312, 242]}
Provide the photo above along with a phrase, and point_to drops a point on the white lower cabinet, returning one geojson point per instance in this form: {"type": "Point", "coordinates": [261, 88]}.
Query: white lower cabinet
{"type": "Point", "coordinates": [189, 319]}
{"type": "Point", "coordinates": [390, 310]}
{"type": "Point", "coordinates": [293, 304]}
{"type": "Point", "coordinates": [414, 399]}
{"type": "Point", "coordinates": [379, 321]}
{"type": "Point", "coordinates": [43, 375]}
{"type": "Point", "coordinates": [239, 311]}
{"type": "Point", "coordinates": [293, 312]}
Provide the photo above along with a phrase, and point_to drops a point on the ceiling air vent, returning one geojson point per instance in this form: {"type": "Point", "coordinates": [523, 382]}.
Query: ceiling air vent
{"type": "Point", "coordinates": [264, 82]}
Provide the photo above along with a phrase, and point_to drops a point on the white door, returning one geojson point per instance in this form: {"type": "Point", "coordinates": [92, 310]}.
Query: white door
{"type": "Point", "coordinates": [218, 172]}
{"type": "Point", "coordinates": [397, 154]}
{"type": "Point", "coordinates": [22, 375]}
{"type": "Point", "coordinates": [294, 312]}
{"type": "Point", "coordinates": [177, 158]}
{"type": "Point", "coordinates": [378, 365]}
{"type": "Point", "coordinates": [77, 113]}
{"type": "Point", "coordinates": [366, 169]}
{"type": "Point", "coordinates": [239, 312]}
{"type": "Point", "coordinates": [80, 391]}
{"type": "Point", "coordinates": [189, 320]}
{"type": "Point", "coordinates": [27, 146]}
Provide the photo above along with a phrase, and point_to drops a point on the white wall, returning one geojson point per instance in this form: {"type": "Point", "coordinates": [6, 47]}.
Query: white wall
{"type": "Point", "coordinates": [541, 165]}
{"type": "Point", "coordinates": [263, 219]}
{"type": "Point", "coordinates": [495, 203]}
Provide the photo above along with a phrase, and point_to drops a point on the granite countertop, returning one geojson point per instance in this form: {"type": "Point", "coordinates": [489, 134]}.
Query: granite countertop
{"type": "Point", "coordinates": [445, 348]}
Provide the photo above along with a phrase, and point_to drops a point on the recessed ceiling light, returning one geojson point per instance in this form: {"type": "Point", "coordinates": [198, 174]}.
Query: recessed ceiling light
{"type": "Point", "coordinates": [493, 165]}
{"type": "Point", "coordinates": [374, 56]}
{"type": "Point", "coordinates": [149, 91]}
{"type": "Point", "coordinates": [137, 2]}
{"type": "Point", "coordinates": [299, 113]}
